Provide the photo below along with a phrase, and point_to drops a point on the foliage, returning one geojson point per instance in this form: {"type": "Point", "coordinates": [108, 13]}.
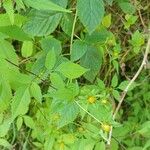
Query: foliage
{"type": "Point", "coordinates": [63, 67]}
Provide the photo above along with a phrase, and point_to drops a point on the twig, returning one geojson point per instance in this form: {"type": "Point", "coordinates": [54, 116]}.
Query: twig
{"type": "Point", "coordinates": [30, 73]}
{"type": "Point", "coordinates": [128, 86]}
{"type": "Point", "coordinates": [140, 15]}
{"type": "Point", "coordinates": [25, 70]}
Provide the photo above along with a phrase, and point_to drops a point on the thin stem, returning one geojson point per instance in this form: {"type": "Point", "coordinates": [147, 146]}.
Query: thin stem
{"type": "Point", "coordinates": [88, 112]}
{"type": "Point", "coordinates": [73, 29]}
{"type": "Point", "coordinates": [129, 85]}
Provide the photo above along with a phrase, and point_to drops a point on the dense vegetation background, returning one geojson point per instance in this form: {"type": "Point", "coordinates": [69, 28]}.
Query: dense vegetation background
{"type": "Point", "coordinates": [74, 75]}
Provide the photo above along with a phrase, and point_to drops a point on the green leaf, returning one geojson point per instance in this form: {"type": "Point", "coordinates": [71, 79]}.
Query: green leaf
{"type": "Point", "coordinates": [5, 143]}
{"type": "Point", "coordinates": [66, 118]}
{"type": "Point", "coordinates": [98, 37]}
{"type": "Point", "coordinates": [87, 144]}
{"type": "Point", "coordinates": [78, 50]}
{"type": "Point", "coordinates": [49, 142]}
{"type": "Point", "coordinates": [65, 94]}
{"type": "Point", "coordinates": [92, 60]}
{"type": "Point", "coordinates": [116, 95]}
{"type": "Point", "coordinates": [100, 146]}
{"type": "Point", "coordinates": [8, 52]}
{"type": "Point", "coordinates": [27, 49]}
{"type": "Point", "coordinates": [106, 22]}
{"type": "Point", "coordinates": [45, 5]}
{"type": "Point", "coordinates": [42, 23]}
{"type": "Point", "coordinates": [5, 93]}
{"type": "Point", "coordinates": [20, 102]}
{"type": "Point", "coordinates": [50, 43]}
{"type": "Point", "coordinates": [35, 91]}
{"type": "Point", "coordinates": [19, 123]}
{"type": "Point", "coordinates": [90, 13]}
{"type": "Point", "coordinates": [29, 122]}
{"type": "Point", "coordinates": [20, 4]}
{"type": "Point", "coordinates": [67, 23]}
{"type": "Point", "coordinates": [144, 129]}
{"type": "Point", "coordinates": [109, 2]}
{"type": "Point", "coordinates": [18, 20]}
{"type": "Point", "coordinates": [50, 60]}
{"type": "Point", "coordinates": [71, 70]}
{"type": "Point", "coordinates": [137, 41]}
{"type": "Point", "coordinates": [124, 84]}
{"type": "Point", "coordinates": [4, 127]}
{"type": "Point", "coordinates": [15, 32]}
{"type": "Point", "coordinates": [127, 7]}
{"type": "Point", "coordinates": [8, 5]}
{"type": "Point", "coordinates": [57, 80]}
{"type": "Point", "coordinates": [114, 81]}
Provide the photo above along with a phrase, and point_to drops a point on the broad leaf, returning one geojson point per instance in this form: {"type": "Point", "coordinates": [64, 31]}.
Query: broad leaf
{"type": "Point", "coordinates": [50, 60]}
{"type": "Point", "coordinates": [8, 5]}
{"type": "Point", "coordinates": [78, 50]}
{"type": "Point", "coordinates": [50, 43]}
{"type": "Point", "coordinates": [92, 60]}
{"type": "Point", "coordinates": [67, 23]}
{"type": "Point", "coordinates": [8, 52]}
{"type": "Point", "coordinates": [15, 32]}
{"type": "Point", "coordinates": [66, 118]}
{"type": "Point", "coordinates": [57, 80]}
{"type": "Point", "coordinates": [35, 91]}
{"type": "Point", "coordinates": [71, 70]}
{"type": "Point", "coordinates": [29, 122]}
{"type": "Point", "coordinates": [45, 5]}
{"type": "Point", "coordinates": [90, 13]}
{"type": "Point", "coordinates": [42, 23]}
{"type": "Point", "coordinates": [27, 49]}
{"type": "Point", "coordinates": [20, 102]}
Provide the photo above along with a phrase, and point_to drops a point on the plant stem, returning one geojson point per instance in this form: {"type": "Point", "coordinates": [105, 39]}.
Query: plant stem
{"type": "Point", "coordinates": [129, 85]}
{"type": "Point", "coordinates": [72, 33]}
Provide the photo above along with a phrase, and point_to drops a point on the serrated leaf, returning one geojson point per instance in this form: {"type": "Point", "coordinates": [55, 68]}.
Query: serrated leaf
{"type": "Point", "coordinates": [27, 49]}
{"type": "Point", "coordinates": [29, 122]}
{"type": "Point", "coordinates": [50, 60]}
{"type": "Point", "coordinates": [71, 70]}
{"type": "Point", "coordinates": [92, 60]}
{"type": "Point", "coordinates": [90, 13]}
{"type": "Point", "coordinates": [78, 50]}
{"type": "Point", "coordinates": [42, 23]}
{"type": "Point", "coordinates": [66, 118]}
{"type": "Point", "coordinates": [35, 91]}
{"type": "Point", "coordinates": [45, 5]}
{"type": "Point", "coordinates": [20, 102]}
